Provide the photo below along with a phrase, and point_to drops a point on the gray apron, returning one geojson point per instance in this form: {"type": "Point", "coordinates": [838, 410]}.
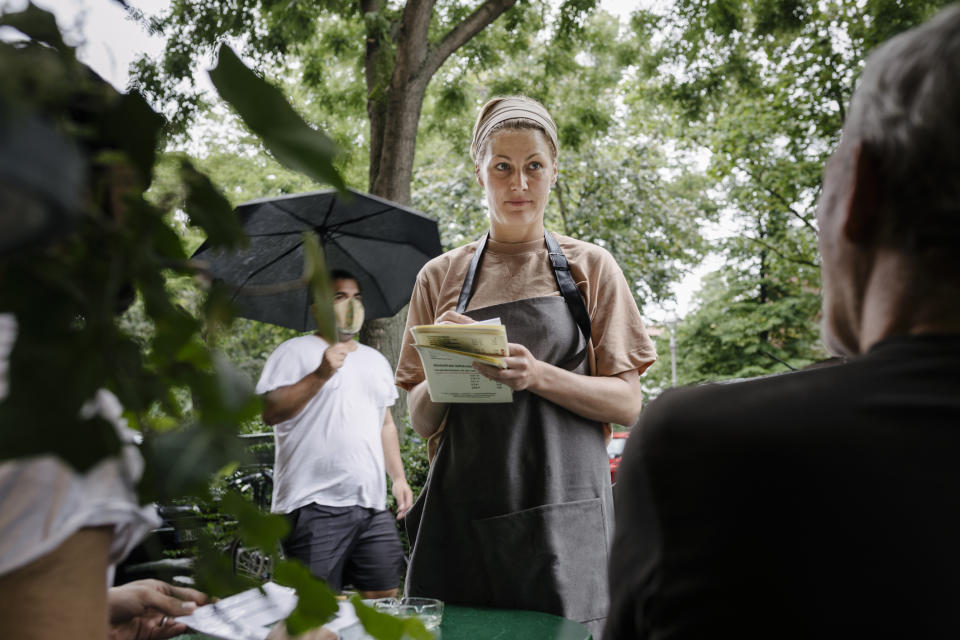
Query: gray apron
{"type": "Point", "coordinates": [517, 511]}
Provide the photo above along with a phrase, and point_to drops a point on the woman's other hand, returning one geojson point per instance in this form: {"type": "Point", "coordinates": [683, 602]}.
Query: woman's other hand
{"type": "Point", "coordinates": [615, 398]}
{"type": "Point", "coordinates": [521, 372]}
{"type": "Point", "coordinates": [450, 316]}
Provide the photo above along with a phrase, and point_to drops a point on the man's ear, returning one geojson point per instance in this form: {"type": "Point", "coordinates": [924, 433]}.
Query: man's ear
{"type": "Point", "coordinates": [863, 207]}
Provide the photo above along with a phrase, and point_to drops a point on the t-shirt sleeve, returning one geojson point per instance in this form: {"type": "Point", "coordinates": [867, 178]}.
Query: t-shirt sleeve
{"type": "Point", "coordinates": [385, 382]}
{"type": "Point", "coordinates": [421, 311]}
{"type": "Point", "coordinates": [620, 340]}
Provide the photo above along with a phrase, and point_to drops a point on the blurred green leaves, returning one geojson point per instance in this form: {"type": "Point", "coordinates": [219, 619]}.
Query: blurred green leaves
{"type": "Point", "coordinates": [209, 209]}
{"type": "Point", "coordinates": [321, 289]}
{"type": "Point", "coordinates": [385, 627]}
{"type": "Point", "coordinates": [185, 397]}
{"type": "Point", "coordinates": [268, 114]}
{"type": "Point", "coordinates": [257, 529]}
{"type": "Point", "coordinates": [316, 603]}
{"type": "Point", "coordinates": [38, 25]}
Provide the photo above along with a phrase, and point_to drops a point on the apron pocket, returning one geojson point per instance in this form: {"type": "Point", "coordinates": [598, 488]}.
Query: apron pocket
{"type": "Point", "coordinates": [551, 558]}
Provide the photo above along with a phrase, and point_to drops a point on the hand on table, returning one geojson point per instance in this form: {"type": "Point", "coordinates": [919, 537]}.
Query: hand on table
{"type": "Point", "coordinates": [521, 372]}
{"type": "Point", "coordinates": [144, 609]}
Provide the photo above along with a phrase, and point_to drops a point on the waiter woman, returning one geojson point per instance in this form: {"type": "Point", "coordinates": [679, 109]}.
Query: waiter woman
{"type": "Point", "coordinates": [517, 509]}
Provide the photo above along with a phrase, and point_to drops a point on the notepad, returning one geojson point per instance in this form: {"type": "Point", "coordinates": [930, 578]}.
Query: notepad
{"type": "Point", "coordinates": [448, 352]}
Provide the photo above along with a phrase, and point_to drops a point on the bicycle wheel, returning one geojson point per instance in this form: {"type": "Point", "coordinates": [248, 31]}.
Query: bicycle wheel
{"type": "Point", "coordinates": [251, 561]}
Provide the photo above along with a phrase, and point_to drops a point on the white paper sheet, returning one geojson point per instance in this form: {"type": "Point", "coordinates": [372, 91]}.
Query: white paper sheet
{"type": "Point", "coordinates": [248, 615]}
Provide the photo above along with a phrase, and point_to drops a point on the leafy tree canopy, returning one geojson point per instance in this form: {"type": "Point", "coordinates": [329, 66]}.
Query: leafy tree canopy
{"type": "Point", "coordinates": [760, 90]}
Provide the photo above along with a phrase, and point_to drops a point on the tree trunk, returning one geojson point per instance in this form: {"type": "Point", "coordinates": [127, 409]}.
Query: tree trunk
{"type": "Point", "coordinates": [386, 336]}
{"type": "Point", "coordinates": [396, 85]}
{"type": "Point", "coordinates": [391, 178]}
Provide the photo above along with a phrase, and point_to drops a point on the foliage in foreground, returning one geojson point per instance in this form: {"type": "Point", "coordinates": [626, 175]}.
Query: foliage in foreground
{"type": "Point", "coordinates": [66, 292]}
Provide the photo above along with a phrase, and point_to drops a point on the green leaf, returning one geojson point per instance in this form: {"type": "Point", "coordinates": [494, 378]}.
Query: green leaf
{"type": "Point", "coordinates": [81, 444]}
{"type": "Point", "coordinates": [385, 627]}
{"type": "Point", "coordinates": [316, 603]}
{"type": "Point", "coordinates": [209, 210]}
{"type": "Point", "coordinates": [214, 572]}
{"type": "Point", "coordinates": [182, 461]}
{"type": "Point", "coordinates": [257, 529]}
{"type": "Point", "coordinates": [321, 289]}
{"type": "Point", "coordinates": [131, 125]}
{"type": "Point", "coordinates": [268, 114]}
{"type": "Point", "coordinates": [236, 392]}
{"type": "Point", "coordinates": [37, 24]}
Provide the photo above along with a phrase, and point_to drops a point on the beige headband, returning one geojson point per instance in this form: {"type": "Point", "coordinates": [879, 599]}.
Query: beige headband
{"type": "Point", "coordinates": [512, 109]}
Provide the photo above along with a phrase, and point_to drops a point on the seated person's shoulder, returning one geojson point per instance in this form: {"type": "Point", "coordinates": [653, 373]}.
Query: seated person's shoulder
{"type": "Point", "coordinates": [737, 409]}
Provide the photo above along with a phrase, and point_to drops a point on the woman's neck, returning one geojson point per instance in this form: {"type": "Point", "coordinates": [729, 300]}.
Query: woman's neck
{"type": "Point", "coordinates": [516, 234]}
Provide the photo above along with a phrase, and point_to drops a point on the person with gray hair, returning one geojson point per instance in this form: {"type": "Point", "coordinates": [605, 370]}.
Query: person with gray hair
{"type": "Point", "coordinates": [825, 503]}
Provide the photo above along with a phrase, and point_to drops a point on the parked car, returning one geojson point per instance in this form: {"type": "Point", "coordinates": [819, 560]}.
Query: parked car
{"type": "Point", "coordinates": [615, 451]}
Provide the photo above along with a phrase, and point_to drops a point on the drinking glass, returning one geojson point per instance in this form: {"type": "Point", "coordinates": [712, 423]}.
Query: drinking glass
{"type": "Point", "coordinates": [428, 610]}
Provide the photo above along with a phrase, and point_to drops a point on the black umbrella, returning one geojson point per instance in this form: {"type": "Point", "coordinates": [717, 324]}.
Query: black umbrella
{"type": "Point", "coordinates": [380, 242]}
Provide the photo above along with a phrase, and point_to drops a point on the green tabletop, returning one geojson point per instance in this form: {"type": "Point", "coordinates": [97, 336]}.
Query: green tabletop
{"type": "Point", "coordinates": [472, 623]}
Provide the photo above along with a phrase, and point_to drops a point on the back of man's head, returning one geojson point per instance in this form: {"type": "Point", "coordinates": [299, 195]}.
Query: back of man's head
{"type": "Point", "coordinates": [906, 112]}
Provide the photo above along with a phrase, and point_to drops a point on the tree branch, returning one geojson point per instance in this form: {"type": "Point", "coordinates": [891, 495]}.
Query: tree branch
{"type": "Point", "coordinates": [375, 103]}
{"type": "Point", "coordinates": [476, 22]}
{"type": "Point", "coordinates": [412, 41]}
{"type": "Point", "coordinates": [779, 197]}
{"type": "Point", "coordinates": [770, 247]}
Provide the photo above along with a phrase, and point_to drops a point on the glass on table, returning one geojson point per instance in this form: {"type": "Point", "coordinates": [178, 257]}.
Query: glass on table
{"type": "Point", "coordinates": [428, 610]}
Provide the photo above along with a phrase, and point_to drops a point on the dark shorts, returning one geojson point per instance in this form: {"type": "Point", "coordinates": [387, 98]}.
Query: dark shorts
{"type": "Point", "coordinates": [347, 546]}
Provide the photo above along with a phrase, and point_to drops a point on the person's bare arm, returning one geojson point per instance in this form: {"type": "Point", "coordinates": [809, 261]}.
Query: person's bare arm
{"type": "Point", "coordinates": [283, 403]}
{"type": "Point", "coordinates": [62, 594]}
{"type": "Point", "coordinates": [614, 398]}
{"type": "Point", "coordinates": [394, 464]}
{"type": "Point", "coordinates": [426, 416]}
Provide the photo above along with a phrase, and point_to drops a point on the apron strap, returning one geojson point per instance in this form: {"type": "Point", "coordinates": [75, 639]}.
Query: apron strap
{"type": "Point", "coordinates": [561, 270]}
{"type": "Point", "coordinates": [466, 291]}
{"type": "Point", "coordinates": [568, 288]}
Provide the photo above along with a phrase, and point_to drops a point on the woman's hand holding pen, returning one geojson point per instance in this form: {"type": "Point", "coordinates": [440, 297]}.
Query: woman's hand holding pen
{"type": "Point", "coordinates": [450, 316]}
{"type": "Point", "coordinates": [521, 372]}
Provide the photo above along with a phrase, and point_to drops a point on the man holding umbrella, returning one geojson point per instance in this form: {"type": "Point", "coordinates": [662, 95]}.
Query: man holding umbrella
{"type": "Point", "coordinates": [335, 438]}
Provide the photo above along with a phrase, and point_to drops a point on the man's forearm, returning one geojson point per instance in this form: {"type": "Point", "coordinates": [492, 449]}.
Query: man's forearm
{"type": "Point", "coordinates": [425, 414]}
{"type": "Point", "coordinates": [391, 449]}
{"type": "Point", "coordinates": [284, 403]}
{"type": "Point", "coordinates": [614, 398]}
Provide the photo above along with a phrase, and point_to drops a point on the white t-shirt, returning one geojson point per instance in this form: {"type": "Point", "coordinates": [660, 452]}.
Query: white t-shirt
{"type": "Point", "coordinates": [44, 501]}
{"type": "Point", "coordinates": [331, 453]}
